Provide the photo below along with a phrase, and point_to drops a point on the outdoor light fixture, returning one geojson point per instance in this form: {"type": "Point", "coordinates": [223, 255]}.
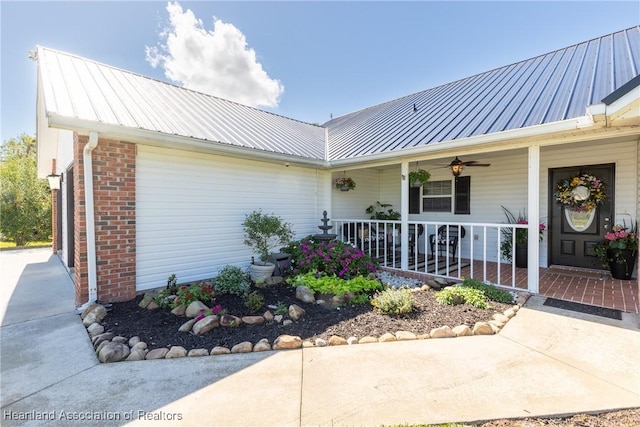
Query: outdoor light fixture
{"type": "Point", "coordinates": [54, 181]}
{"type": "Point", "coordinates": [456, 166]}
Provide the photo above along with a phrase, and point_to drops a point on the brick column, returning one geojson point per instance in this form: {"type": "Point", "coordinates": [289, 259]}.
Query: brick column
{"type": "Point", "coordinates": [114, 191]}
{"type": "Point", "coordinates": [54, 213]}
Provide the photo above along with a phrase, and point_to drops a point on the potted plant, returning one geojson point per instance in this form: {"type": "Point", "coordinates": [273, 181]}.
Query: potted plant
{"type": "Point", "coordinates": [619, 250]}
{"type": "Point", "coordinates": [522, 248]}
{"type": "Point", "coordinates": [345, 183]}
{"type": "Point", "coordinates": [263, 232]}
{"type": "Point", "coordinates": [380, 211]}
{"type": "Point", "coordinates": [418, 177]}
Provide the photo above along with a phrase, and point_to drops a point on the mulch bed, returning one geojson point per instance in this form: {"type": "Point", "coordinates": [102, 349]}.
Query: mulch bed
{"type": "Point", "coordinates": [159, 328]}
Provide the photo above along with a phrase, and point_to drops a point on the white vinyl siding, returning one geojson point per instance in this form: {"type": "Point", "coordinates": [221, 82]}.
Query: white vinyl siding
{"type": "Point", "coordinates": [190, 208]}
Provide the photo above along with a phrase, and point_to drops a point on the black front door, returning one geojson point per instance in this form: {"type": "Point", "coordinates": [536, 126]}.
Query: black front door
{"type": "Point", "coordinates": [573, 239]}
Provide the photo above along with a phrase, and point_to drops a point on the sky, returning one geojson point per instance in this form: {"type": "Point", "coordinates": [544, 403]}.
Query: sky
{"type": "Point", "coordinates": [304, 60]}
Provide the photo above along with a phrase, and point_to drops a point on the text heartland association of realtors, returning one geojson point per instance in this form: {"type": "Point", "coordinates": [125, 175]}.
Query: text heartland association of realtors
{"type": "Point", "coordinates": [90, 416]}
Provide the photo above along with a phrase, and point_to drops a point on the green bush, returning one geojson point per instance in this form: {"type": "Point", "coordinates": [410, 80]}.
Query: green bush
{"type": "Point", "coordinates": [335, 285]}
{"type": "Point", "coordinates": [393, 301]}
{"type": "Point", "coordinates": [195, 292]}
{"type": "Point", "coordinates": [254, 301]}
{"type": "Point", "coordinates": [455, 295]}
{"type": "Point", "coordinates": [491, 292]}
{"type": "Point", "coordinates": [231, 280]}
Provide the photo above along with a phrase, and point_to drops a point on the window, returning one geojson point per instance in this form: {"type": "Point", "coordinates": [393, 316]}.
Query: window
{"type": "Point", "coordinates": [437, 196]}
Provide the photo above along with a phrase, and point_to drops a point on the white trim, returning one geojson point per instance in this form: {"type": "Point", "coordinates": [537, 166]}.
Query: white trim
{"type": "Point", "coordinates": [533, 205]}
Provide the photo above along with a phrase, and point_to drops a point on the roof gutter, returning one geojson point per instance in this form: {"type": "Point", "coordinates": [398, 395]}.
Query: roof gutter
{"type": "Point", "coordinates": [90, 220]}
{"type": "Point", "coordinates": [473, 141]}
{"type": "Point", "coordinates": [159, 139]}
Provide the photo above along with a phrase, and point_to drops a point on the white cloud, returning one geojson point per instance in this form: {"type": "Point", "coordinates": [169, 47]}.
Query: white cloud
{"type": "Point", "coordinates": [217, 62]}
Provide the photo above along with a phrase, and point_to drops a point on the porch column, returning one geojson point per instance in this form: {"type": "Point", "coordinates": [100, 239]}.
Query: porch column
{"type": "Point", "coordinates": [533, 204]}
{"type": "Point", "coordinates": [404, 215]}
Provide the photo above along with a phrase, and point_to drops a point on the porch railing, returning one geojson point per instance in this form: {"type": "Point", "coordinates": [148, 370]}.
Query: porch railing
{"type": "Point", "coordinates": [443, 249]}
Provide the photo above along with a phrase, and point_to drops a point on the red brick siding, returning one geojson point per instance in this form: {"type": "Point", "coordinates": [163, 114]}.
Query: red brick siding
{"type": "Point", "coordinates": [54, 213]}
{"type": "Point", "coordinates": [114, 193]}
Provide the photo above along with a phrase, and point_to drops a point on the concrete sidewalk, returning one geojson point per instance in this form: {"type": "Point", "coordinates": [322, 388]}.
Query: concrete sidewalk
{"type": "Point", "coordinates": [545, 362]}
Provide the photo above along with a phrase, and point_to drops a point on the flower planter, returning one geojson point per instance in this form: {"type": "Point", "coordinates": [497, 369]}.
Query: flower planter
{"type": "Point", "coordinates": [522, 255]}
{"type": "Point", "coordinates": [261, 272]}
{"type": "Point", "coordinates": [345, 188]}
{"type": "Point", "coordinates": [622, 270]}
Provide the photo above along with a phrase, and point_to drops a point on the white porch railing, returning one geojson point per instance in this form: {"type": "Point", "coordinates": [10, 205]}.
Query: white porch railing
{"type": "Point", "coordinates": [444, 249]}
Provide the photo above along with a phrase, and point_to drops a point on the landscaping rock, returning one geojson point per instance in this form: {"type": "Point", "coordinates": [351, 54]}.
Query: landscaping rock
{"type": "Point", "coordinates": [153, 305]}
{"type": "Point", "coordinates": [510, 313]}
{"type": "Point", "coordinates": [176, 352]}
{"type": "Point", "coordinates": [442, 332]}
{"type": "Point", "coordinates": [203, 326]}
{"type": "Point", "coordinates": [230, 321]}
{"type": "Point", "coordinates": [198, 352]}
{"type": "Point", "coordinates": [278, 318]}
{"type": "Point", "coordinates": [179, 310]}
{"type": "Point", "coordinates": [320, 342]}
{"type": "Point", "coordinates": [496, 326]}
{"type": "Point", "coordinates": [120, 339]}
{"type": "Point", "coordinates": [95, 329]}
{"type": "Point", "coordinates": [195, 309]}
{"type": "Point", "coordinates": [307, 343]}
{"type": "Point", "coordinates": [352, 340]}
{"type": "Point", "coordinates": [405, 336]}
{"type": "Point", "coordinates": [268, 316]}
{"type": "Point", "coordinates": [136, 354]}
{"type": "Point", "coordinates": [388, 337]}
{"type": "Point", "coordinates": [88, 310]}
{"type": "Point", "coordinates": [462, 331]}
{"type": "Point", "coordinates": [140, 346]}
{"type": "Point", "coordinates": [113, 352]}
{"type": "Point", "coordinates": [107, 336]}
{"type": "Point", "coordinates": [423, 336]}
{"type": "Point", "coordinates": [367, 340]}
{"type": "Point", "coordinates": [287, 322]}
{"type": "Point", "coordinates": [500, 318]}
{"type": "Point", "coordinates": [157, 353]}
{"type": "Point", "coordinates": [262, 345]}
{"type": "Point", "coordinates": [296, 312]}
{"type": "Point", "coordinates": [274, 281]}
{"type": "Point", "coordinates": [187, 326]}
{"type": "Point", "coordinates": [101, 346]}
{"type": "Point", "coordinates": [95, 315]}
{"type": "Point", "coordinates": [482, 328]}
{"type": "Point", "coordinates": [255, 320]}
{"type": "Point", "coordinates": [219, 350]}
{"type": "Point", "coordinates": [336, 340]}
{"type": "Point", "coordinates": [304, 294]}
{"type": "Point", "coordinates": [243, 347]}
{"type": "Point", "coordinates": [133, 341]}
{"type": "Point", "coordinates": [286, 342]}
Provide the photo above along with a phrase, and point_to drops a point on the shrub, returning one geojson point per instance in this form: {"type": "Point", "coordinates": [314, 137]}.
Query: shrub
{"type": "Point", "coordinates": [491, 292]}
{"type": "Point", "coordinates": [254, 301]}
{"type": "Point", "coordinates": [335, 285]}
{"type": "Point", "coordinates": [455, 295]}
{"type": "Point", "coordinates": [231, 280]}
{"type": "Point", "coordinates": [195, 292]}
{"type": "Point", "coordinates": [393, 301]}
{"type": "Point", "coordinates": [329, 258]}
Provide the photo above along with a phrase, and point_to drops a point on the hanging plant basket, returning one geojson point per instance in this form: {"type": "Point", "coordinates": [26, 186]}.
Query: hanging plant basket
{"type": "Point", "coordinates": [345, 184]}
{"type": "Point", "coordinates": [418, 177]}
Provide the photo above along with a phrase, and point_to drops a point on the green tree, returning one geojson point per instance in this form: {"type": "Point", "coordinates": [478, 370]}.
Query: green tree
{"type": "Point", "coordinates": [25, 200]}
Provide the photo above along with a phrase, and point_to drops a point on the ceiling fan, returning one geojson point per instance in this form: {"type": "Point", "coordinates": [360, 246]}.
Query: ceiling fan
{"type": "Point", "coordinates": [458, 165]}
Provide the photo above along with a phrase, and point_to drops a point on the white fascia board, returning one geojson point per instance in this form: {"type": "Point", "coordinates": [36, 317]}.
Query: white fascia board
{"type": "Point", "coordinates": [624, 101]}
{"type": "Point", "coordinates": [531, 131]}
{"type": "Point", "coordinates": [159, 139]}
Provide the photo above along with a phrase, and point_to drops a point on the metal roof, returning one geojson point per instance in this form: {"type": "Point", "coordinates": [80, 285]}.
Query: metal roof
{"type": "Point", "coordinates": [79, 88]}
{"type": "Point", "coordinates": [548, 88]}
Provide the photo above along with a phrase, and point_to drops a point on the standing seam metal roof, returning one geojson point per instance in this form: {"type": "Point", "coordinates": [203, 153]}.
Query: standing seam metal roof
{"type": "Point", "coordinates": [78, 88]}
{"type": "Point", "coordinates": [548, 88]}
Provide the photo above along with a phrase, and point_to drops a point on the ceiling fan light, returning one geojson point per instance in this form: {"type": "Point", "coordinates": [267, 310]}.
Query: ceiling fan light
{"type": "Point", "coordinates": [456, 167]}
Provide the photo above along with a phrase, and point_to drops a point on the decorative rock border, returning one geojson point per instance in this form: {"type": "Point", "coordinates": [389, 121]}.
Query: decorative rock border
{"type": "Point", "coordinates": [110, 348]}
